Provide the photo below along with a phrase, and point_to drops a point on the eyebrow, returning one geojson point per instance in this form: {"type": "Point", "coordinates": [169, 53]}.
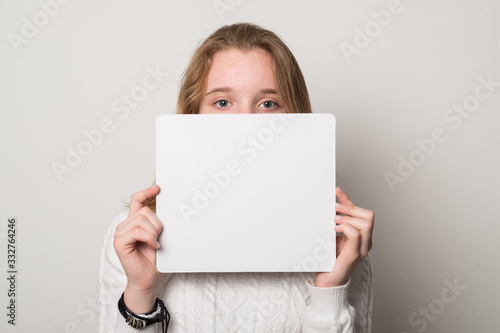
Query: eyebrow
{"type": "Point", "coordinates": [227, 89]}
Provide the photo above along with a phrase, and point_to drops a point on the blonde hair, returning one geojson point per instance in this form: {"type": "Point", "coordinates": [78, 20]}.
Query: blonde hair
{"type": "Point", "coordinates": [291, 89]}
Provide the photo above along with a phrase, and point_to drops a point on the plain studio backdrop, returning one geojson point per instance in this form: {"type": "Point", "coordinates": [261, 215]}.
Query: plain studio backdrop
{"type": "Point", "coordinates": [414, 86]}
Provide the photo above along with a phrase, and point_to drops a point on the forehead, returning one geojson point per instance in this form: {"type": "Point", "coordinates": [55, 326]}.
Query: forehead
{"type": "Point", "coordinates": [234, 66]}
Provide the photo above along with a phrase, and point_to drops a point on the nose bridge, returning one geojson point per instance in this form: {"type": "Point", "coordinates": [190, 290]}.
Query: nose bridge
{"type": "Point", "coordinates": [246, 107]}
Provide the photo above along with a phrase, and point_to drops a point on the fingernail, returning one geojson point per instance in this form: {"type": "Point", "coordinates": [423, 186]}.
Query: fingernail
{"type": "Point", "coordinates": [337, 217]}
{"type": "Point", "coordinates": [152, 187]}
{"type": "Point", "coordinates": [338, 206]}
{"type": "Point", "coordinates": [340, 191]}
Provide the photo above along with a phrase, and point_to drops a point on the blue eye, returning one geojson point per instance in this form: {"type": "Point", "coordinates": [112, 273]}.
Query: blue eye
{"type": "Point", "coordinates": [268, 104]}
{"type": "Point", "coordinates": [222, 103]}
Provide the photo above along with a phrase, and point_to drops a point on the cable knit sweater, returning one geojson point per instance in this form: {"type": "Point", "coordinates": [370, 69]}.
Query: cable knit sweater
{"type": "Point", "coordinates": [241, 302]}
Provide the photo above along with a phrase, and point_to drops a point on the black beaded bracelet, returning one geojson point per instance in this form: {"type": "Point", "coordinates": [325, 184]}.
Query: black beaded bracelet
{"type": "Point", "coordinates": [159, 314]}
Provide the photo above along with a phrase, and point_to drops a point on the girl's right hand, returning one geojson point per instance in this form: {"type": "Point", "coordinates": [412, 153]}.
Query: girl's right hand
{"type": "Point", "coordinates": [136, 244]}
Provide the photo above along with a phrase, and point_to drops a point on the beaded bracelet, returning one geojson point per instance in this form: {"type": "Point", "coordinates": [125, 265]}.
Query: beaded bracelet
{"type": "Point", "coordinates": [159, 314]}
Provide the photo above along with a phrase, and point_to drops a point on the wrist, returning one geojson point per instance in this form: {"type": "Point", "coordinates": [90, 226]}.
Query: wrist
{"type": "Point", "coordinates": [325, 282]}
{"type": "Point", "coordinates": [140, 300]}
{"type": "Point", "coordinates": [329, 285]}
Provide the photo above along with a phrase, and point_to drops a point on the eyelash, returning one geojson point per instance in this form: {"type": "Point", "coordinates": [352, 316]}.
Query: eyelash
{"type": "Point", "coordinates": [217, 103]}
{"type": "Point", "coordinates": [220, 100]}
{"type": "Point", "coordinates": [274, 103]}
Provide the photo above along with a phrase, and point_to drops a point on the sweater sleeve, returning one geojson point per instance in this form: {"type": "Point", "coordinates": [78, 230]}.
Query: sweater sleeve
{"type": "Point", "coordinates": [328, 310]}
{"type": "Point", "coordinates": [346, 308]}
{"type": "Point", "coordinates": [112, 282]}
{"type": "Point", "coordinates": [360, 295]}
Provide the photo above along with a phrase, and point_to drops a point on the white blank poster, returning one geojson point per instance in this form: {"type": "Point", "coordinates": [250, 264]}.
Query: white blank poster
{"type": "Point", "coordinates": [246, 192]}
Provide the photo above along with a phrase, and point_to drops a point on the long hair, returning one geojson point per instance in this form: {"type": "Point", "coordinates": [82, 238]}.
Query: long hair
{"type": "Point", "coordinates": [292, 88]}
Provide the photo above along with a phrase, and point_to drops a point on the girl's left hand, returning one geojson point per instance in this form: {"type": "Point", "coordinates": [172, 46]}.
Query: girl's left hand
{"type": "Point", "coordinates": [357, 226]}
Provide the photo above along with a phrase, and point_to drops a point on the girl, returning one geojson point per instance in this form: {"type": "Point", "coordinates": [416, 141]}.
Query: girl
{"type": "Point", "coordinates": [241, 68]}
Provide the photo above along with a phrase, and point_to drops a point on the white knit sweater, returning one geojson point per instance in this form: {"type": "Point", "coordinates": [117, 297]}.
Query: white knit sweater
{"type": "Point", "coordinates": [241, 302]}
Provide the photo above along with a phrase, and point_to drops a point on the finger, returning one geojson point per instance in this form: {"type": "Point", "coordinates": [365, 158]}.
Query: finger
{"type": "Point", "coordinates": [130, 239]}
{"type": "Point", "coordinates": [343, 198]}
{"type": "Point", "coordinates": [139, 221]}
{"type": "Point", "coordinates": [353, 236]}
{"type": "Point", "coordinates": [144, 215]}
{"type": "Point", "coordinates": [152, 217]}
{"type": "Point", "coordinates": [139, 198]}
{"type": "Point", "coordinates": [354, 211]}
{"type": "Point", "coordinates": [357, 223]}
{"type": "Point", "coordinates": [364, 228]}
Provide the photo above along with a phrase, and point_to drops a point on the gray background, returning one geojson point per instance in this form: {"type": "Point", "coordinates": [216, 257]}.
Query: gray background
{"type": "Point", "coordinates": [437, 227]}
